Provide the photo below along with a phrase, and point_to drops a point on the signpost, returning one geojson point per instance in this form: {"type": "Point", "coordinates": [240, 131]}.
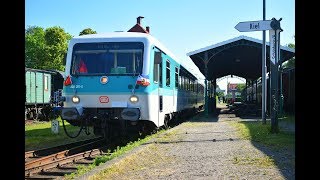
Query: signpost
{"type": "Point", "coordinates": [274, 28]}
{"type": "Point", "coordinates": [274, 36]}
{"type": "Point", "coordinates": [264, 70]}
{"type": "Point", "coordinates": [254, 26]}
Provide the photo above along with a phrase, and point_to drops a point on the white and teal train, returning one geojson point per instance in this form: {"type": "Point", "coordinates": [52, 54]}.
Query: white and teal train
{"type": "Point", "coordinates": [119, 80]}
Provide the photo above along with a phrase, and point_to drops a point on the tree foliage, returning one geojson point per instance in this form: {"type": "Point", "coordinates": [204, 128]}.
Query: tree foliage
{"type": "Point", "coordinates": [45, 48]}
{"type": "Point", "coordinates": [291, 62]}
{"type": "Point", "coordinates": [87, 31]}
{"type": "Point", "coordinates": [220, 94]}
{"type": "Point", "coordinates": [240, 87]}
{"type": "Point", "coordinates": [34, 47]}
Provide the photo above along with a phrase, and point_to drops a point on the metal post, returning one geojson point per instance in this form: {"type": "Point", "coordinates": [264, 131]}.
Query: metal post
{"type": "Point", "coordinates": [274, 67]}
{"type": "Point", "coordinates": [281, 90]}
{"type": "Point", "coordinates": [251, 92]}
{"type": "Point", "coordinates": [206, 83]}
{"type": "Point", "coordinates": [275, 91]}
{"type": "Point", "coordinates": [256, 91]}
{"type": "Point", "coordinates": [279, 73]}
{"type": "Point", "coordinates": [264, 67]}
{"type": "Point", "coordinates": [214, 94]}
{"type": "Point", "coordinates": [246, 93]}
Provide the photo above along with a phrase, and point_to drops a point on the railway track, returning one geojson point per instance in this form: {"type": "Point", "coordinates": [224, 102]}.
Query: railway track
{"type": "Point", "coordinates": [55, 162]}
{"type": "Point", "coordinates": [31, 155]}
{"type": "Point", "coordinates": [38, 163]}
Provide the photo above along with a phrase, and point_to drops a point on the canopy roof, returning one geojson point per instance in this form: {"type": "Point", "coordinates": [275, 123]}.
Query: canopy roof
{"type": "Point", "coordinates": [240, 56]}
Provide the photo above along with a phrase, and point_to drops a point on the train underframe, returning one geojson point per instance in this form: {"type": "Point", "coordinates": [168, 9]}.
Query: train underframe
{"type": "Point", "coordinates": [38, 112]}
{"type": "Point", "coordinates": [107, 122]}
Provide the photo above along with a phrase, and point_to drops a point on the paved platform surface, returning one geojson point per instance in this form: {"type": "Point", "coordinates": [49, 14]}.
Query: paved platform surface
{"type": "Point", "coordinates": [202, 148]}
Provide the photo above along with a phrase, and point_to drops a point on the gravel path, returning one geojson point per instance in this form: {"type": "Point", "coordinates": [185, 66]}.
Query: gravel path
{"type": "Point", "coordinates": [203, 148]}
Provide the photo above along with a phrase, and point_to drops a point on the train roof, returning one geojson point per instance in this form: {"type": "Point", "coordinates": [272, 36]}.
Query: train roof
{"type": "Point", "coordinates": [49, 71]}
{"type": "Point", "coordinates": [40, 70]}
{"type": "Point", "coordinates": [131, 36]}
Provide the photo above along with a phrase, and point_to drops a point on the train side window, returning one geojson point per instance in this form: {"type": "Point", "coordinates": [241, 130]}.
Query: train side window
{"type": "Point", "coordinates": [180, 81]}
{"type": "Point", "coordinates": [46, 84]}
{"type": "Point", "coordinates": [160, 103]}
{"type": "Point", "coordinates": [160, 75]}
{"type": "Point", "coordinates": [156, 66]}
{"type": "Point", "coordinates": [156, 73]}
{"type": "Point", "coordinates": [168, 73]}
{"type": "Point", "coordinates": [177, 77]}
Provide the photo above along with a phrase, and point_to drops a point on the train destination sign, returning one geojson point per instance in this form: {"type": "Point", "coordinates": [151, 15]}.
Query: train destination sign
{"type": "Point", "coordinates": [254, 26]}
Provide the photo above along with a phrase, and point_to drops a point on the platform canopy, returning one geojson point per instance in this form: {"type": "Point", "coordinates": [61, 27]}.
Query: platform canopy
{"type": "Point", "coordinates": [240, 56]}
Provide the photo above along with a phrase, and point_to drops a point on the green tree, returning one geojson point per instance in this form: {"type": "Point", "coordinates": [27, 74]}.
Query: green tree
{"type": "Point", "coordinates": [87, 31]}
{"type": "Point", "coordinates": [241, 86]}
{"type": "Point", "coordinates": [45, 49]}
{"type": "Point", "coordinates": [34, 47]}
{"type": "Point", "coordinates": [220, 95]}
{"type": "Point", "coordinates": [57, 45]}
{"type": "Point", "coordinates": [291, 62]}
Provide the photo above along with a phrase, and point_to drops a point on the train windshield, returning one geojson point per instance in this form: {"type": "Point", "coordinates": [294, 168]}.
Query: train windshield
{"type": "Point", "coordinates": [112, 58]}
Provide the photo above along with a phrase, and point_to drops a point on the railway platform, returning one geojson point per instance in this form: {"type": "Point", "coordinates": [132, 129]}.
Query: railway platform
{"type": "Point", "coordinates": [205, 147]}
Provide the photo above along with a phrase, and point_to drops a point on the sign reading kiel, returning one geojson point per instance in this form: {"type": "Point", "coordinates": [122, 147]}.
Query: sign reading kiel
{"type": "Point", "coordinates": [274, 35]}
{"type": "Point", "coordinates": [254, 26]}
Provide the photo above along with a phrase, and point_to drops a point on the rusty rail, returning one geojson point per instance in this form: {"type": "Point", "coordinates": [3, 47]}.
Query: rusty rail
{"type": "Point", "coordinates": [56, 160]}
{"type": "Point", "coordinates": [47, 151]}
{"type": "Point", "coordinates": [62, 157]}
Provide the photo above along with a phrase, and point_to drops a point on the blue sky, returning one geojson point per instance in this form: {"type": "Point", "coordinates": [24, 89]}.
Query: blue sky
{"type": "Point", "coordinates": [181, 25]}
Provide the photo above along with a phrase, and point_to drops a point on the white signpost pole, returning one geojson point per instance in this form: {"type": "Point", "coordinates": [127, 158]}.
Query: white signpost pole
{"type": "Point", "coordinates": [274, 35]}
{"type": "Point", "coordinates": [259, 26]}
{"type": "Point", "coordinates": [263, 71]}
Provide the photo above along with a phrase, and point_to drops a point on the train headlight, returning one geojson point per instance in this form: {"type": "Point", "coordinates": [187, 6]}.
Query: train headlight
{"type": "Point", "coordinates": [134, 99]}
{"type": "Point", "coordinates": [75, 99]}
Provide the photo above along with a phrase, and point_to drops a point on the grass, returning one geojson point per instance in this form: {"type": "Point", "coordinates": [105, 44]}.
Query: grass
{"type": "Point", "coordinates": [146, 159]}
{"type": "Point", "coordinates": [287, 118]}
{"type": "Point", "coordinates": [265, 161]}
{"type": "Point", "coordinates": [39, 135]}
{"type": "Point", "coordinates": [167, 136]}
{"type": "Point", "coordinates": [194, 124]}
{"type": "Point", "coordinates": [118, 152]}
{"type": "Point", "coordinates": [256, 131]}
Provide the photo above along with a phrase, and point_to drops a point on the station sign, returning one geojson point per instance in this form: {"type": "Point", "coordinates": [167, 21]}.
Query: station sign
{"type": "Point", "coordinates": [254, 26]}
{"type": "Point", "coordinates": [272, 38]}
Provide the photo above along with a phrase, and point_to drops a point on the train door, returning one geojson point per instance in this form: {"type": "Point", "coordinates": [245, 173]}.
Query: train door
{"type": "Point", "coordinates": [175, 89]}
{"type": "Point", "coordinates": [169, 87]}
{"type": "Point", "coordinates": [159, 79]}
{"type": "Point", "coordinates": [28, 87]}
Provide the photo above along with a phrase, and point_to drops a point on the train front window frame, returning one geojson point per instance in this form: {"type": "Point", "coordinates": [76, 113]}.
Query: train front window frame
{"type": "Point", "coordinates": [107, 58]}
